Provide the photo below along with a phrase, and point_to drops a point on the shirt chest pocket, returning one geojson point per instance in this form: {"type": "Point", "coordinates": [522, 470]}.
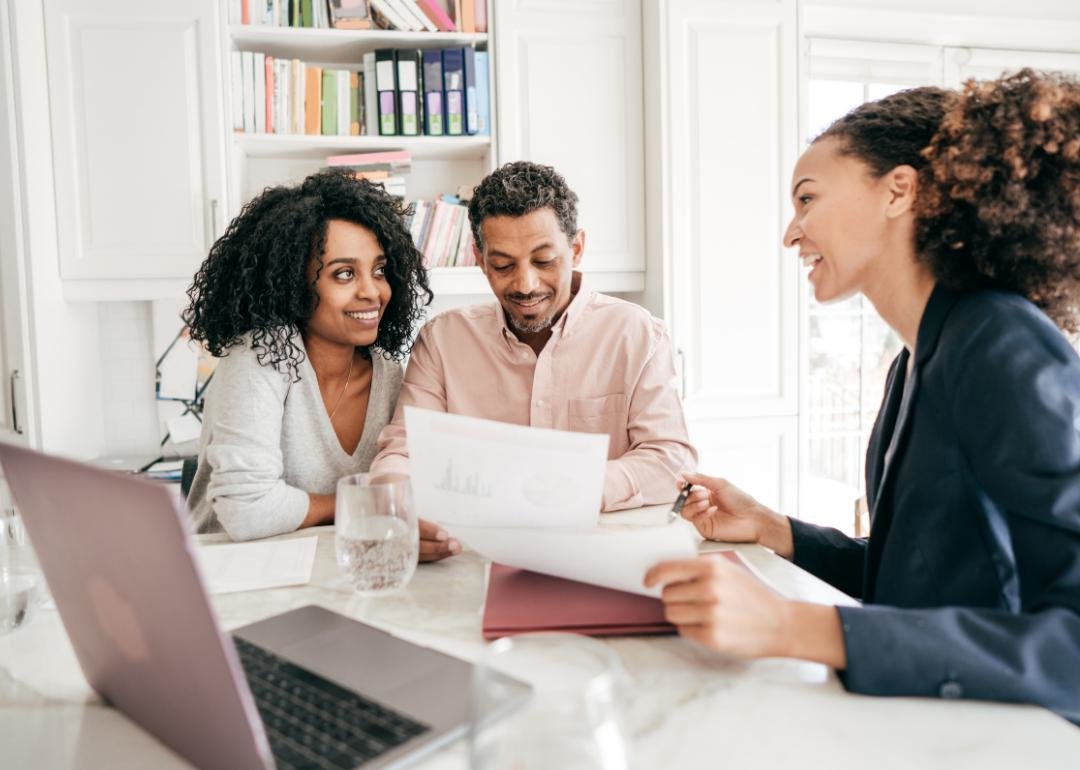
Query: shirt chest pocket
{"type": "Point", "coordinates": [602, 414]}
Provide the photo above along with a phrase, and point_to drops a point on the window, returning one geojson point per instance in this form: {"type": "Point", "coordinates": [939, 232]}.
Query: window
{"type": "Point", "coordinates": [848, 348]}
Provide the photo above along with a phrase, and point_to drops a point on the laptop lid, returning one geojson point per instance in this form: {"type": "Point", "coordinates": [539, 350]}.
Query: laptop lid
{"type": "Point", "coordinates": [119, 563]}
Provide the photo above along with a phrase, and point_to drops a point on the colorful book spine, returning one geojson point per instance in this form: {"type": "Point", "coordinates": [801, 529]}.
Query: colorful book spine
{"type": "Point", "coordinates": [483, 93]}
{"type": "Point", "coordinates": [434, 118]}
{"type": "Point", "coordinates": [354, 104]}
{"type": "Point", "coordinates": [313, 100]}
{"type": "Point", "coordinates": [453, 89]}
{"type": "Point", "coordinates": [329, 102]}
{"type": "Point", "coordinates": [434, 11]}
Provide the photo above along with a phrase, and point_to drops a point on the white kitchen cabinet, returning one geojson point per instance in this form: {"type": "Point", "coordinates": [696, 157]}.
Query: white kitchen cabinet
{"type": "Point", "coordinates": [134, 92]}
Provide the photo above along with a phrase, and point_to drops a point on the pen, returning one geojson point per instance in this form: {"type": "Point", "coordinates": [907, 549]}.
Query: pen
{"type": "Point", "coordinates": [680, 501]}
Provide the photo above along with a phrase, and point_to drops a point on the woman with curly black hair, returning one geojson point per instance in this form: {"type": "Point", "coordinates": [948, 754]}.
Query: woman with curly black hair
{"type": "Point", "coordinates": [958, 216]}
{"type": "Point", "coordinates": [310, 299]}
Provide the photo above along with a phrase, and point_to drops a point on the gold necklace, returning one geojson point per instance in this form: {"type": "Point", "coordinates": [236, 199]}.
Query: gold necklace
{"type": "Point", "coordinates": [348, 375]}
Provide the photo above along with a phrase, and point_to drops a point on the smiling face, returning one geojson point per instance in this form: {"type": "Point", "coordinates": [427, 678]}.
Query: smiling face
{"type": "Point", "coordinates": [352, 287]}
{"type": "Point", "coordinates": [844, 219]}
{"type": "Point", "coordinates": [529, 262]}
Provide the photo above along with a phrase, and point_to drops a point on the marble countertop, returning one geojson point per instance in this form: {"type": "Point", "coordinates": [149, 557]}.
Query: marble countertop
{"type": "Point", "coordinates": [688, 707]}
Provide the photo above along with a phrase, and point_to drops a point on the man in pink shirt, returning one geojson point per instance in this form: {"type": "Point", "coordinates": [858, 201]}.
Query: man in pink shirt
{"type": "Point", "coordinates": [550, 353]}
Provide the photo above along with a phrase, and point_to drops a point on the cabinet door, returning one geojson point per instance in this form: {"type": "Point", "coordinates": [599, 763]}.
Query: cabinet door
{"type": "Point", "coordinates": [14, 323]}
{"type": "Point", "coordinates": [726, 110]}
{"type": "Point", "coordinates": [569, 95]}
{"type": "Point", "coordinates": [134, 95]}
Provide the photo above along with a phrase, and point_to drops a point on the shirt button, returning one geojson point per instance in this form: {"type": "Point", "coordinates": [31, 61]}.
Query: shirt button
{"type": "Point", "coordinates": [951, 690]}
{"type": "Point", "coordinates": [540, 403]}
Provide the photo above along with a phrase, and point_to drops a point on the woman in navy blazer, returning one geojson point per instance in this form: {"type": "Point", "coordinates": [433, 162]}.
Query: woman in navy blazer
{"type": "Point", "coordinates": [958, 216]}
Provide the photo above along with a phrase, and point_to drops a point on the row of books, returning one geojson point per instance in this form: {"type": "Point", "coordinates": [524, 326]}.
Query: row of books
{"type": "Point", "coordinates": [404, 15]}
{"type": "Point", "coordinates": [287, 96]}
{"type": "Point", "coordinates": [440, 229]}
{"type": "Point", "coordinates": [400, 92]}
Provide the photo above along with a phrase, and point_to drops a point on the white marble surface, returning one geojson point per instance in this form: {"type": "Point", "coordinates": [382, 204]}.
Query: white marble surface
{"type": "Point", "coordinates": [688, 708]}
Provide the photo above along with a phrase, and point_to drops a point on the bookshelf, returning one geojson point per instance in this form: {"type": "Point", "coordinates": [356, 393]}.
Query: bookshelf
{"type": "Point", "coordinates": [440, 164]}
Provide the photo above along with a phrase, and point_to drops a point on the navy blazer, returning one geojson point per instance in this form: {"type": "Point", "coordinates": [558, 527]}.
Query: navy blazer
{"type": "Point", "coordinates": [970, 578]}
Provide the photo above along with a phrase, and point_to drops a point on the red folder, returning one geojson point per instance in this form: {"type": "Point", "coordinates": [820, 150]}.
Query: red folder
{"type": "Point", "coordinates": [520, 602]}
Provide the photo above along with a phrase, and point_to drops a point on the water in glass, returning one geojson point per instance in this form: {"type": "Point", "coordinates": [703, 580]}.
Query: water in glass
{"type": "Point", "coordinates": [377, 540]}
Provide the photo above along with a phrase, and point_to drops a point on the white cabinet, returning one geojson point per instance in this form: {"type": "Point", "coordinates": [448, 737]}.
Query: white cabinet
{"type": "Point", "coordinates": [722, 106]}
{"type": "Point", "coordinates": [148, 171]}
{"type": "Point", "coordinates": [135, 102]}
{"type": "Point", "coordinates": [570, 95]}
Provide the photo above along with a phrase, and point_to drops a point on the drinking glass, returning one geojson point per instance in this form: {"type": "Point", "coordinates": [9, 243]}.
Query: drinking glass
{"type": "Point", "coordinates": [573, 719]}
{"type": "Point", "coordinates": [377, 536]}
{"type": "Point", "coordinates": [22, 586]}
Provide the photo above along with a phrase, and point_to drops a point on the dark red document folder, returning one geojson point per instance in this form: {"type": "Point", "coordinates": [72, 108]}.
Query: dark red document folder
{"type": "Point", "coordinates": [520, 602]}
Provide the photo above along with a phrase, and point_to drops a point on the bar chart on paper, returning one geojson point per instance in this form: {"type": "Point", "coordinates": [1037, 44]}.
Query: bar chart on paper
{"type": "Point", "coordinates": [485, 473]}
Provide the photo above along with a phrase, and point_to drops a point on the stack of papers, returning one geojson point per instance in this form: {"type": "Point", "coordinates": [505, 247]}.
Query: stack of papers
{"type": "Point", "coordinates": [235, 567]}
{"type": "Point", "coordinates": [530, 498]}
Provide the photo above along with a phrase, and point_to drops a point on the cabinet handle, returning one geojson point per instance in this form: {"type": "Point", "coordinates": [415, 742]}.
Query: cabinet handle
{"type": "Point", "coordinates": [213, 220]}
{"type": "Point", "coordinates": [14, 409]}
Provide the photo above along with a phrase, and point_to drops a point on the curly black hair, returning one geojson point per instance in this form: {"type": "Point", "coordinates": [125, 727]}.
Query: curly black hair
{"type": "Point", "coordinates": [999, 181]}
{"type": "Point", "coordinates": [255, 279]}
{"type": "Point", "coordinates": [519, 188]}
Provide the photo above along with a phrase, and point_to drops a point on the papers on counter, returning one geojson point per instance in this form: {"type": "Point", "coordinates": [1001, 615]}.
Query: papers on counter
{"type": "Point", "coordinates": [252, 566]}
{"type": "Point", "coordinates": [468, 471]}
{"type": "Point", "coordinates": [603, 556]}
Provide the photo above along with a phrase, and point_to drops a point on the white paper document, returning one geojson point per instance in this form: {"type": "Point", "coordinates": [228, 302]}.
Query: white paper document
{"type": "Point", "coordinates": [485, 473]}
{"type": "Point", "coordinates": [604, 556]}
{"type": "Point", "coordinates": [235, 567]}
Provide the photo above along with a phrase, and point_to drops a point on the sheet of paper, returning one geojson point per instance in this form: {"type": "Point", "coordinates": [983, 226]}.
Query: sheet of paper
{"type": "Point", "coordinates": [484, 473]}
{"type": "Point", "coordinates": [252, 566]}
{"type": "Point", "coordinates": [603, 556]}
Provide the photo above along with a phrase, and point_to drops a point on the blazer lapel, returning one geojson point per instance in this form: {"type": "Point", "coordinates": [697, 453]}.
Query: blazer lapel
{"type": "Point", "coordinates": [901, 395]}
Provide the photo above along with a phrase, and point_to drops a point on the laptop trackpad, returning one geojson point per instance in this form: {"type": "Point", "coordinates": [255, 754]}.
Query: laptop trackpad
{"type": "Point", "coordinates": [367, 660]}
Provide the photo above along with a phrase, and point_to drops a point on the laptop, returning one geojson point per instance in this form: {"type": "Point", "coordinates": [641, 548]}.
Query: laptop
{"type": "Point", "coordinates": [305, 689]}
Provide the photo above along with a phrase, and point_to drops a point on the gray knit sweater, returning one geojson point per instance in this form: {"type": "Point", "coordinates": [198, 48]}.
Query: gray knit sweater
{"type": "Point", "coordinates": [267, 442]}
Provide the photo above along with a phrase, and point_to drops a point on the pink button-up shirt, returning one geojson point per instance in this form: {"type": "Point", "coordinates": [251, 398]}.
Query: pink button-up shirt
{"type": "Point", "coordinates": [608, 368]}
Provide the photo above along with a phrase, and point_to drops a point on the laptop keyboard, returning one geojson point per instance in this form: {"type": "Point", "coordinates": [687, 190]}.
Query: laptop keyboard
{"type": "Point", "coordinates": [312, 722]}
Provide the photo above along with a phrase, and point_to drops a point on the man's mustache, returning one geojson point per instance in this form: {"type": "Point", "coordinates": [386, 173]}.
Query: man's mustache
{"type": "Point", "coordinates": [526, 297]}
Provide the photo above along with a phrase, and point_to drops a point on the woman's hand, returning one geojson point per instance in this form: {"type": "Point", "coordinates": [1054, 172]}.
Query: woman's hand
{"type": "Point", "coordinates": [435, 543]}
{"type": "Point", "coordinates": [721, 511]}
{"type": "Point", "coordinates": [723, 606]}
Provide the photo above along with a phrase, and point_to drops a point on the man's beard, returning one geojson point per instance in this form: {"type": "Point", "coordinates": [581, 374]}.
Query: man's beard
{"type": "Point", "coordinates": [530, 327]}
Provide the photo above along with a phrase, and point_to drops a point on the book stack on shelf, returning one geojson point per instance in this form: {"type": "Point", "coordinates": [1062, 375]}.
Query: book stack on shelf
{"type": "Point", "coordinates": [440, 229]}
{"type": "Point", "coordinates": [384, 168]}
{"type": "Point", "coordinates": [468, 16]}
{"type": "Point", "coordinates": [400, 92]}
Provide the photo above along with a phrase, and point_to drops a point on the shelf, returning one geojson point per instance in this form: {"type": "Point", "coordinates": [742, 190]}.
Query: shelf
{"type": "Point", "coordinates": [314, 145]}
{"type": "Point", "coordinates": [339, 45]}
